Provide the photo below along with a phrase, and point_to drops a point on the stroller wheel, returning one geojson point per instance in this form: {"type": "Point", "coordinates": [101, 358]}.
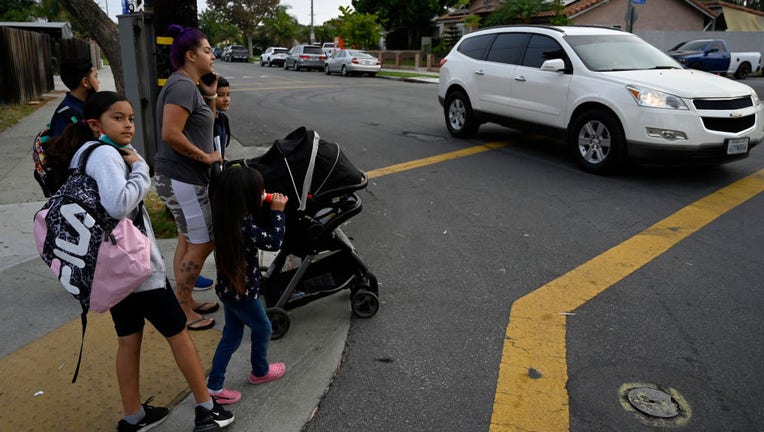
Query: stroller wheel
{"type": "Point", "coordinates": [279, 322]}
{"type": "Point", "coordinates": [365, 304]}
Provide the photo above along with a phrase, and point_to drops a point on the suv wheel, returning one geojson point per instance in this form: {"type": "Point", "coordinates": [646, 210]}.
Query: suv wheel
{"type": "Point", "coordinates": [326, 69]}
{"type": "Point", "coordinates": [460, 119]}
{"type": "Point", "coordinates": [286, 67]}
{"type": "Point", "coordinates": [597, 138]}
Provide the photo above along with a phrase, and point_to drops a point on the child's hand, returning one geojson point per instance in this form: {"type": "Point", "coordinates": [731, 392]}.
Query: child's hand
{"type": "Point", "coordinates": [278, 202]}
{"type": "Point", "coordinates": [129, 156]}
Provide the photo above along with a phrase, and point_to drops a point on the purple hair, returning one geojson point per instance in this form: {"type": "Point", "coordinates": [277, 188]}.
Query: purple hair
{"type": "Point", "coordinates": [185, 39]}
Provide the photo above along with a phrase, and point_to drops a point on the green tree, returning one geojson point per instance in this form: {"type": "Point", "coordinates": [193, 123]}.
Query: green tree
{"type": "Point", "coordinates": [17, 10]}
{"type": "Point", "coordinates": [559, 18]}
{"type": "Point", "coordinates": [414, 16]}
{"type": "Point", "coordinates": [515, 12]}
{"type": "Point", "coordinates": [247, 15]}
{"type": "Point", "coordinates": [280, 28]}
{"type": "Point", "coordinates": [218, 29]}
{"type": "Point", "coordinates": [358, 30]}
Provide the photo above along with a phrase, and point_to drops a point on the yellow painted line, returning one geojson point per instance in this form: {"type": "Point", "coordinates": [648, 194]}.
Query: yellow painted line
{"type": "Point", "coordinates": [392, 169]}
{"type": "Point", "coordinates": [535, 338]}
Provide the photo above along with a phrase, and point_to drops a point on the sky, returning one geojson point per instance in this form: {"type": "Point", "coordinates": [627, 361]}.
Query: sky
{"type": "Point", "coordinates": [324, 10]}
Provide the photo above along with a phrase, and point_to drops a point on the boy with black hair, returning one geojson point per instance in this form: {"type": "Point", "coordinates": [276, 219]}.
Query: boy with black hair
{"type": "Point", "coordinates": [81, 78]}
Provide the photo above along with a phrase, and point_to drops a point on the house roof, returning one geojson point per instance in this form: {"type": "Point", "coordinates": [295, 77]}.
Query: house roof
{"type": "Point", "coordinates": [582, 6]}
{"type": "Point", "coordinates": [720, 4]}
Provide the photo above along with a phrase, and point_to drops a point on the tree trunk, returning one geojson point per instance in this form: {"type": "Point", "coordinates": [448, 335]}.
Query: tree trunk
{"type": "Point", "coordinates": [90, 16]}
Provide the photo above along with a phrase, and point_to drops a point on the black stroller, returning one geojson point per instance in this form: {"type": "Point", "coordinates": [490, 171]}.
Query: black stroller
{"type": "Point", "coordinates": [321, 184]}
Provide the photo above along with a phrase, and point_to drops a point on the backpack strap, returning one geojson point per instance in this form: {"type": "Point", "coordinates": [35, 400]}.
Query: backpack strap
{"type": "Point", "coordinates": [86, 155]}
{"type": "Point", "coordinates": [71, 113]}
{"type": "Point", "coordinates": [84, 319]}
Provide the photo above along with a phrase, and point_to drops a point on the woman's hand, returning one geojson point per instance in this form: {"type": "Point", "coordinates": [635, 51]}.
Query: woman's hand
{"type": "Point", "coordinates": [278, 201]}
{"type": "Point", "coordinates": [209, 87]}
{"type": "Point", "coordinates": [213, 158]}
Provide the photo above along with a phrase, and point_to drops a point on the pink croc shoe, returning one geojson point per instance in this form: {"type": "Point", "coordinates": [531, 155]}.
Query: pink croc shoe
{"type": "Point", "coordinates": [275, 371]}
{"type": "Point", "coordinates": [225, 396]}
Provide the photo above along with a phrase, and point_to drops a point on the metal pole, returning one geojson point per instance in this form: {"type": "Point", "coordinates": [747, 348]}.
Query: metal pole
{"type": "Point", "coordinates": [629, 15]}
{"type": "Point", "coordinates": [312, 33]}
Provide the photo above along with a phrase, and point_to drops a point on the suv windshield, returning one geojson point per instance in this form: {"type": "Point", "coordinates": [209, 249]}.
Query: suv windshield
{"type": "Point", "coordinates": [280, 51]}
{"type": "Point", "coordinates": [607, 54]}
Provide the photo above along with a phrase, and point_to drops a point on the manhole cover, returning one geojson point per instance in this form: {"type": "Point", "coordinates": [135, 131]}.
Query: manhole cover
{"type": "Point", "coordinates": [653, 402]}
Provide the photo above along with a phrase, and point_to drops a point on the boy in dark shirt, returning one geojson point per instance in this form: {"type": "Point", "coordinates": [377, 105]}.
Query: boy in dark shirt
{"type": "Point", "coordinates": [222, 133]}
{"type": "Point", "coordinates": [81, 78]}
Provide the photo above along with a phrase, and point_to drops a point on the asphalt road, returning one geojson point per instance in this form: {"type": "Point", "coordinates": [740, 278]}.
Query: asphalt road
{"type": "Point", "coordinates": [456, 240]}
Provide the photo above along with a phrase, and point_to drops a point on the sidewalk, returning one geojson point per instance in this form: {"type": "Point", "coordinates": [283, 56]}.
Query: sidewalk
{"type": "Point", "coordinates": [41, 330]}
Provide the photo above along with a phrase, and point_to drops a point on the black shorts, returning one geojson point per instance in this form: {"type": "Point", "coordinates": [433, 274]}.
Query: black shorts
{"type": "Point", "coordinates": [159, 306]}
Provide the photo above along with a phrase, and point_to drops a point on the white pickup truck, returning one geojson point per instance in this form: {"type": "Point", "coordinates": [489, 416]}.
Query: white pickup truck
{"type": "Point", "coordinates": [713, 55]}
{"type": "Point", "coordinates": [328, 48]}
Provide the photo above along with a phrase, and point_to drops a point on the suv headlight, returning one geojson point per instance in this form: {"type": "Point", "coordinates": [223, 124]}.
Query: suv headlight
{"type": "Point", "coordinates": [656, 99]}
{"type": "Point", "coordinates": [755, 98]}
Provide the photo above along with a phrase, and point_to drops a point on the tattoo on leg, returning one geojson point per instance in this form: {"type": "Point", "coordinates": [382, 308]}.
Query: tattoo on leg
{"type": "Point", "coordinates": [190, 270]}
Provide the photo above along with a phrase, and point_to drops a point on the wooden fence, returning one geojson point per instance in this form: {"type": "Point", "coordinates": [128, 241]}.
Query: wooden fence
{"type": "Point", "coordinates": [32, 59]}
{"type": "Point", "coordinates": [407, 59]}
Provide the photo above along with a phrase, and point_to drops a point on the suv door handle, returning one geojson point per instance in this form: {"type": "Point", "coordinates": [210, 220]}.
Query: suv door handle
{"type": "Point", "coordinates": [479, 72]}
{"type": "Point", "coordinates": [519, 78]}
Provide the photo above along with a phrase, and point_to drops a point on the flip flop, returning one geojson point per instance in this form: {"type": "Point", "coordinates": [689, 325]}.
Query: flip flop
{"type": "Point", "coordinates": [201, 310]}
{"type": "Point", "coordinates": [201, 327]}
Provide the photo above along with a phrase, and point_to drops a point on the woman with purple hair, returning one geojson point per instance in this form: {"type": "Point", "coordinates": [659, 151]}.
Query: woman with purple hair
{"type": "Point", "coordinates": [185, 155]}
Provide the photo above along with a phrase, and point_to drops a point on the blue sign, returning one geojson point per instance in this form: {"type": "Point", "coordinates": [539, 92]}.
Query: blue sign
{"type": "Point", "coordinates": [638, 1]}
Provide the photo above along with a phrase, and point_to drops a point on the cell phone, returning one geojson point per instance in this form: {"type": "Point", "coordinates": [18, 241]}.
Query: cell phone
{"type": "Point", "coordinates": [209, 78]}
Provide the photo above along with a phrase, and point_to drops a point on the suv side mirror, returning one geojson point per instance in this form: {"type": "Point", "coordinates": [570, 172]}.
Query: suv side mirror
{"type": "Point", "coordinates": [554, 65]}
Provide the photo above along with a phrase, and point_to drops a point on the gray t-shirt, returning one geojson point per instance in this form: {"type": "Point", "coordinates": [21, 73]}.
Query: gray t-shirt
{"type": "Point", "coordinates": [180, 90]}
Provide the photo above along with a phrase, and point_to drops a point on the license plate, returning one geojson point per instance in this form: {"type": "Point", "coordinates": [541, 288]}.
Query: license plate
{"type": "Point", "coordinates": [737, 146]}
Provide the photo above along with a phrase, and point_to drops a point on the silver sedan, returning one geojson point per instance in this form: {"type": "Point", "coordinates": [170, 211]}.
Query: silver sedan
{"type": "Point", "coordinates": [352, 62]}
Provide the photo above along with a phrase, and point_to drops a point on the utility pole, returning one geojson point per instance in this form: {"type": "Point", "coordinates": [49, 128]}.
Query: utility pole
{"type": "Point", "coordinates": [631, 13]}
{"type": "Point", "coordinates": [312, 33]}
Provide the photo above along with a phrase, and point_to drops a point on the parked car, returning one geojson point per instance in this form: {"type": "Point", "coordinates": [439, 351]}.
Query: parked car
{"type": "Point", "coordinates": [305, 57]}
{"type": "Point", "coordinates": [234, 53]}
{"type": "Point", "coordinates": [352, 62]}
{"type": "Point", "coordinates": [609, 93]}
{"type": "Point", "coordinates": [218, 52]}
{"type": "Point", "coordinates": [274, 56]}
{"type": "Point", "coordinates": [328, 48]}
{"type": "Point", "coordinates": [713, 55]}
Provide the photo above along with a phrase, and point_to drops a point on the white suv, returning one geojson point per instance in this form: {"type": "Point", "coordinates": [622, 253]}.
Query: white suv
{"type": "Point", "coordinates": [611, 94]}
{"type": "Point", "coordinates": [274, 56]}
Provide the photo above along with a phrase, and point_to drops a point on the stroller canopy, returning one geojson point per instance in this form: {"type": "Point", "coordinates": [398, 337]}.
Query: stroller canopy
{"type": "Point", "coordinates": [303, 165]}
